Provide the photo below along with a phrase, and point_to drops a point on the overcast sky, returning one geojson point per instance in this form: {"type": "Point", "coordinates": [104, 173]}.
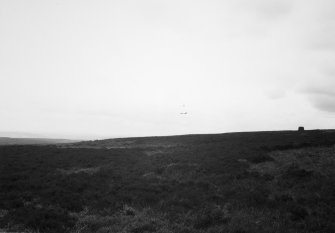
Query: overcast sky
{"type": "Point", "coordinates": [95, 69]}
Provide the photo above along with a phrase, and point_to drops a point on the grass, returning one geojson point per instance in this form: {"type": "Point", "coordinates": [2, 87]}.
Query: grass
{"type": "Point", "coordinates": [242, 182]}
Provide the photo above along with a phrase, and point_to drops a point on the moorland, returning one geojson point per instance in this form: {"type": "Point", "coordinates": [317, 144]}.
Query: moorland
{"type": "Point", "coordinates": [252, 182]}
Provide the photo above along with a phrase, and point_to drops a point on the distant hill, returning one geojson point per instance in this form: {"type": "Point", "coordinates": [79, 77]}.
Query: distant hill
{"type": "Point", "coordinates": [266, 138]}
{"type": "Point", "coordinates": [32, 141]}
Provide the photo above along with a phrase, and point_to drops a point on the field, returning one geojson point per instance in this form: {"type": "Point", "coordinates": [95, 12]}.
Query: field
{"type": "Point", "coordinates": [257, 182]}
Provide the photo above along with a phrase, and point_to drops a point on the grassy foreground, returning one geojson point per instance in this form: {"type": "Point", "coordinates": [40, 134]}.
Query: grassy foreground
{"type": "Point", "coordinates": [235, 183]}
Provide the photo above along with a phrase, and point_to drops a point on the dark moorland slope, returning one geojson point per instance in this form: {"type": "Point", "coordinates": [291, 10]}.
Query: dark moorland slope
{"type": "Point", "coordinates": [256, 182]}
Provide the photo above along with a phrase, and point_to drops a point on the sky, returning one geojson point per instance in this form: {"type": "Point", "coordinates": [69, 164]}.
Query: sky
{"type": "Point", "coordinates": [116, 68]}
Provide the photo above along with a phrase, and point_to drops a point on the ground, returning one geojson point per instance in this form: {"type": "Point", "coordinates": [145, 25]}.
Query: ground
{"type": "Point", "coordinates": [237, 182]}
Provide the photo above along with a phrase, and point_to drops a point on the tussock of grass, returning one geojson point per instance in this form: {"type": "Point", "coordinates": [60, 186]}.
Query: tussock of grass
{"type": "Point", "coordinates": [71, 171]}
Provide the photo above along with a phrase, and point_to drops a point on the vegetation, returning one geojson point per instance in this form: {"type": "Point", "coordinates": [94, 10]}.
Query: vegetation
{"type": "Point", "coordinates": [236, 183]}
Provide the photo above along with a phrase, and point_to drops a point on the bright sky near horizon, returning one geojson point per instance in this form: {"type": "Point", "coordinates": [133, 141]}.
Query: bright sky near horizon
{"type": "Point", "coordinates": [97, 69]}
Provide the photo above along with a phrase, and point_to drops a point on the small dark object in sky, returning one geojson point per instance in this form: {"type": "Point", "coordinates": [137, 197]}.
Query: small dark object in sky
{"type": "Point", "coordinates": [301, 129]}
